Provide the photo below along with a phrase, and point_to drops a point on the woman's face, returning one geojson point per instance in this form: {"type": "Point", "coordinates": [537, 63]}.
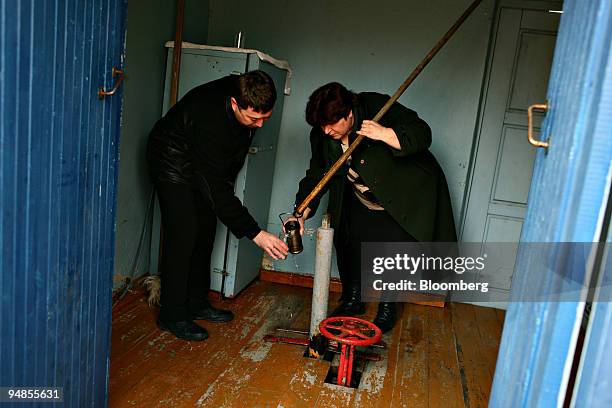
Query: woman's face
{"type": "Point", "coordinates": [340, 129]}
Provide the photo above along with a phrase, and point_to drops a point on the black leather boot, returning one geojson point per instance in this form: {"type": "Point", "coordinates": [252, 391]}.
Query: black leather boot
{"type": "Point", "coordinates": [184, 329]}
{"type": "Point", "coordinates": [211, 313]}
{"type": "Point", "coordinates": [386, 316]}
{"type": "Point", "coordinates": [351, 303]}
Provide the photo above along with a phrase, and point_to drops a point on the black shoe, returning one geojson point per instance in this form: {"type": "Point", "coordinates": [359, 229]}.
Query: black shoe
{"type": "Point", "coordinates": [212, 314]}
{"type": "Point", "coordinates": [351, 304]}
{"type": "Point", "coordinates": [184, 329]}
{"type": "Point", "coordinates": [386, 316]}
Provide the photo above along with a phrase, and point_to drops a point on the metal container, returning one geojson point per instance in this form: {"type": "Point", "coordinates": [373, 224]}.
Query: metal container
{"type": "Point", "coordinates": [294, 238]}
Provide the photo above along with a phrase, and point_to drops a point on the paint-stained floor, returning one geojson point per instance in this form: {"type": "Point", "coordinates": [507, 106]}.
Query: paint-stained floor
{"type": "Point", "coordinates": [436, 357]}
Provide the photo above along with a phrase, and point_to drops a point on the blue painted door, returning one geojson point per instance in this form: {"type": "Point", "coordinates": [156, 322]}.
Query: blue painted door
{"type": "Point", "coordinates": [523, 43]}
{"type": "Point", "coordinates": [567, 202]}
{"type": "Point", "coordinates": [594, 379]}
{"type": "Point", "coordinates": [58, 167]}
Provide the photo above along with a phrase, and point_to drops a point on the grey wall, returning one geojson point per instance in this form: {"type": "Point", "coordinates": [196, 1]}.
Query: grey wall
{"type": "Point", "coordinates": [150, 24]}
{"type": "Point", "coordinates": [366, 46]}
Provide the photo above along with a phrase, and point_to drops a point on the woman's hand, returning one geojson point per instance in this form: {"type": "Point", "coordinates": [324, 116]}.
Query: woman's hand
{"type": "Point", "coordinates": [300, 220]}
{"type": "Point", "coordinates": [375, 131]}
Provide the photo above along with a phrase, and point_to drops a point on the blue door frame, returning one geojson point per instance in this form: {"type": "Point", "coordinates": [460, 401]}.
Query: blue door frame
{"type": "Point", "coordinates": [594, 379]}
{"type": "Point", "coordinates": [567, 201]}
{"type": "Point", "coordinates": [58, 168]}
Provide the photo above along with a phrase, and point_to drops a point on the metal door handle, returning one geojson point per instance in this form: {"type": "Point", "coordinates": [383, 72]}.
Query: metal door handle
{"type": "Point", "coordinates": [117, 73]}
{"type": "Point", "coordinates": [530, 138]}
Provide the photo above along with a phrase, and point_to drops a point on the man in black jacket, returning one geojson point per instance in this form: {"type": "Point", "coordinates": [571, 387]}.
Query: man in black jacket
{"type": "Point", "coordinates": [195, 153]}
{"type": "Point", "coordinates": [391, 190]}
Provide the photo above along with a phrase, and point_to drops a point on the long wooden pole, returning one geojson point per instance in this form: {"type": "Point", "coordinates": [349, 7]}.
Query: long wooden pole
{"type": "Point", "coordinates": [315, 191]}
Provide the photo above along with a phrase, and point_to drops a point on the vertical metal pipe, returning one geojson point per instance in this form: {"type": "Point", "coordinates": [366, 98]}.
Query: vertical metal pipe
{"type": "Point", "coordinates": [349, 370]}
{"type": "Point", "coordinates": [176, 52]}
{"type": "Point", "coordinates": [342, 366]}
{"type": "Point", "coordinates": [174, 83]}
{"type": "Point", "coordinates": [320, 287]}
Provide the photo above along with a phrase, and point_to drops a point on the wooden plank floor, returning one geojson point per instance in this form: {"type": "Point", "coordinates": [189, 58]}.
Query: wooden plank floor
{"type": "Point", "coordinates": [435, 358]}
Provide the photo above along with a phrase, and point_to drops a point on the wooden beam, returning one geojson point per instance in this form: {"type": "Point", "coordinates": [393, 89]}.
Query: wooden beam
{"type": "Point", "coordinates": [306, 281]}
{"type": "Point", "coordinates": [296, 279]}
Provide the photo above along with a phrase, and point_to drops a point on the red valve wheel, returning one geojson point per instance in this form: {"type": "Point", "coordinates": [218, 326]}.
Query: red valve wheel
{"type": "Point", "coordinates": [350, 330]}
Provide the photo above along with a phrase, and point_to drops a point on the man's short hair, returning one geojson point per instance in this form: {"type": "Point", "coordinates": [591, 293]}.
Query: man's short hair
{"type": "Point", "coordinates": [328, 104]}
{"type": "Point", "coordinates": [256, 90]}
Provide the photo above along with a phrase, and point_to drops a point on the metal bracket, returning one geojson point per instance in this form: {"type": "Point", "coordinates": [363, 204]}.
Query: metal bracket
{"type": "Point", "coordinates": [259, 149]}
{"type": "Point", "coordinates": [221, 272]}
{"type": "Point", "coordinates": [119, 75]}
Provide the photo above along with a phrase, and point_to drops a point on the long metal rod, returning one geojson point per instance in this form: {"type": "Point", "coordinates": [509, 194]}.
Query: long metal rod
{"type": "Point", "coordinates": [177, 51]}
{"type": "Point", "coordinates": [174, 83]}
{"type": "Point", "coordinates": [315, 191]}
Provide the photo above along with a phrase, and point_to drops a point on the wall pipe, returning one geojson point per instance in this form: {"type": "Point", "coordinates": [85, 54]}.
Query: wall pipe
{"type": "Point", "coordinates": [154, 293]}
{"type": "Point", "coordinates": [177, 51]}
{"type": "Point", "coordinates": [320, 286]}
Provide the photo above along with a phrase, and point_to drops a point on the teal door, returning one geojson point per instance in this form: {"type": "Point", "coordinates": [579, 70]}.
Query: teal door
{"type": "Point", "coordinates": [58, 168]}
{"type": "Point", "coordinates": [254, 188]}
{"type": "Point", "coordinates": [567, 203]}
{"type": "Point", "coordinates": [521, 55]}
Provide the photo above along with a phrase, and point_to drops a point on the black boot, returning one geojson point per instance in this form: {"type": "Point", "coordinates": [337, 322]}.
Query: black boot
{"type": "Point", "coordinates": [386, 316]}
{"type": "Point", "coordinates": [351, 303]}
{"type": "Point", "coordinates": [206, 311]}
{"type": "Point", "coordinates": [184, 329]}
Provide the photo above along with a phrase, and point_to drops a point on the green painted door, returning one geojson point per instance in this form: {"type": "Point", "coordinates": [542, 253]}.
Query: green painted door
{"type": "Point", "coordinates": [523, 43]}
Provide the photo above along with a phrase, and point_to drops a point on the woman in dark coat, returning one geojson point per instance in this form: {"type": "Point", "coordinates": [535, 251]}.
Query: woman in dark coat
{"type": "Point", "coordinates": [391, 190]}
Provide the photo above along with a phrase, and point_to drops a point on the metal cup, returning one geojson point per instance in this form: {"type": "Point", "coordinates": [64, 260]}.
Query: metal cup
{"type": "Point", "coordinates": [294, 238]}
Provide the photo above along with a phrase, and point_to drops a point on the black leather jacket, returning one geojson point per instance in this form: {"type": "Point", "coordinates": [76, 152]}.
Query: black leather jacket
{"type": "Point", "coordinates": [199, 142]}
{"type": "Point", "coordinates": [409, 182]}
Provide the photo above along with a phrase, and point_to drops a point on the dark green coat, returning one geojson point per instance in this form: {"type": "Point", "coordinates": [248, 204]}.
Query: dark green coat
{"type": "Point", "coordinates": [409, 182]}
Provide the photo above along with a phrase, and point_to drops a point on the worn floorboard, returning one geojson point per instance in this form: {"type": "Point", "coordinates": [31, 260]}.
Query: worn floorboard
{"type": "Point", "coordinates": [434, 358]}
{"type": "Point", "coordinates": [475, 376]}
{"type": "Point", "coordinates": [412, 386]}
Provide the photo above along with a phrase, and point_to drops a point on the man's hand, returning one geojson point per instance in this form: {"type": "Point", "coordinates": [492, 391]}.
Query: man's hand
{"type": "Point", "coordinates": [300, 220]}
{"type": "Point", "coordinates": [375, 131]}
{"type": "Point", "coordinates": [273, 246]}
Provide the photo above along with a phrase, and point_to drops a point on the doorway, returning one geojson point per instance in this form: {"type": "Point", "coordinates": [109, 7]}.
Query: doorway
{"type": "Point", "coordinates": [520, 58]}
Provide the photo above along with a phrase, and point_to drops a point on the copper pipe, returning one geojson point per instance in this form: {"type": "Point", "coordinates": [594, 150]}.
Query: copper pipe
{"type": "Point", "coordinates": [176, 53]}
{"type": "Point", "coordinates": [315, 191]}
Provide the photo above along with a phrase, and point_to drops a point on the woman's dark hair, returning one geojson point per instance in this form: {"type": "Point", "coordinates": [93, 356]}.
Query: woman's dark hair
{"type": "Point", "coordinates": [328, 104]}
{"type": "Point", "coordinates": [256, 90]}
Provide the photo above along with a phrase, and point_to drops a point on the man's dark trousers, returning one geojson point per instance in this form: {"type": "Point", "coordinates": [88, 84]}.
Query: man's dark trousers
{"type": "Point", "coordinates": [188, 225]}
